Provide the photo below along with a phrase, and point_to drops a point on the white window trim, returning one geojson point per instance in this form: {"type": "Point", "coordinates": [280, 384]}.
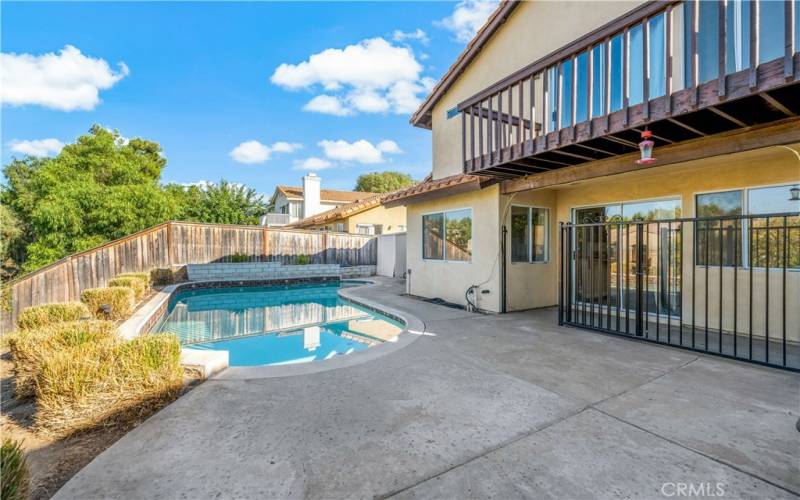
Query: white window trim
{"type": "Point", "coordinates": [530, 235]}
{"type": "Point", "coordinates": [444, 249]}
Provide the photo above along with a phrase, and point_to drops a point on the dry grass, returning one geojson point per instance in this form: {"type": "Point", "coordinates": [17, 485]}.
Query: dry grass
{"type": "Point", "coordinates": [15, 476]}
{"type": "Point", "coordinates": [46, 314]}
{"type": "Point", "coordinates": [103, 382]}
{"type": "Point", "coordinates": [162, 276]}
{"type": "Point", "coordinates": [29, 348]}
{"type": "Point", "coordinates": [120, 299]}
{"type": "Point", "coordinates": [137, 285]}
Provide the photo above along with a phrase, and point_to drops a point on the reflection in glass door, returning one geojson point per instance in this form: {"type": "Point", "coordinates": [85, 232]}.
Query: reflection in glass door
{"type": "Point", "coordinates": [608, 256]}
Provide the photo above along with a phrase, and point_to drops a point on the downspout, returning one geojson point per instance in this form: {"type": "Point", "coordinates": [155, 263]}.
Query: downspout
{"type": "Point", "coordinates": [503, 270]}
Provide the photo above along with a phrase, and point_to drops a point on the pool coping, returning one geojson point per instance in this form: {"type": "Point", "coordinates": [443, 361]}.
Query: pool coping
{"type": "Point", "coordinates": [217, 368]}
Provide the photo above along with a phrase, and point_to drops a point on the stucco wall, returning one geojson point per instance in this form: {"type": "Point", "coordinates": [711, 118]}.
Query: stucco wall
{"type": "Point", "coordinates": [450, 280]}
{"type": "Point", "coordinates": [534, 29]}
{"type": "Point", "coordinates": [393, 220]}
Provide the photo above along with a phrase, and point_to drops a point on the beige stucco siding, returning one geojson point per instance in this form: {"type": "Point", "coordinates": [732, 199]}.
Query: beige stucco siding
{"type": "Point", "coordinates": [392, 219]}
{"type": "Point", "coordinates": [535, 29]}
{"type": "Point", "coordinates": [450, 280]}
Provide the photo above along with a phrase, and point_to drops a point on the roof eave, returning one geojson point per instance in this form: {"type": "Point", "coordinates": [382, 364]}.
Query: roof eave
{"type": "Point", "coordinates": [423, 118]}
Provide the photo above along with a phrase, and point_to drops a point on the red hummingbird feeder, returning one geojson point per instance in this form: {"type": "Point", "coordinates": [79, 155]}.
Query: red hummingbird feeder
{"type": "Point", "coordinates": [646, 147]}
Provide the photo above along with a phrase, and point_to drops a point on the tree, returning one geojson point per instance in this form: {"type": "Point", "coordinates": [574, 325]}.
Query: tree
{"type": "Point", "coordinates": [383, 182]}
{"type": "Point", "coordinates": [222, 203]}
{"type": "Point", "coordinates": [97, 189]}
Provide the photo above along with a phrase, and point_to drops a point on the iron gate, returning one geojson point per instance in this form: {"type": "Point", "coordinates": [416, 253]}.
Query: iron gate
{"type": "Point", "coordinates": [726, 285]}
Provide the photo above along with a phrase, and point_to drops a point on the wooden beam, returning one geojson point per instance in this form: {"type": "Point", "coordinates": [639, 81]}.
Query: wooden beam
{"type": "Point", "coordinates": [660, 138]}
{"type": "Point", "coordinates": [776, 104]}
{"type": "Point", "coordinates": [687, 127]}
{"type": "Point", "coordinates": [756, 137]}
{"type": "Point", "coordinates": [573, 155]}
{"type": "Point", "coordinates": [596, 150]}
{"type": "Point", "coordinates": [727, 116]}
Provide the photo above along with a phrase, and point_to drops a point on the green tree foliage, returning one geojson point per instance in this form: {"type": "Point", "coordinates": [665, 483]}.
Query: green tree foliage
{"type": "Point", "coordinates": [383, 182]}
{"type": "Point", "coordinates": [221, 203]}
{"type": "Point", "coordinates": [100, 188]}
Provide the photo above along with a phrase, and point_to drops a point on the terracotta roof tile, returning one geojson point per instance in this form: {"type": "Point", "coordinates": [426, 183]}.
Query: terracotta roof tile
{"type": "Point", "coordinates": [435, 185]}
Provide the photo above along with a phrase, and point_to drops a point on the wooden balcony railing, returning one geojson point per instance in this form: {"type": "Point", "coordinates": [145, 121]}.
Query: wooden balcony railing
{"type": "Point", "coordinates": [681, 69]}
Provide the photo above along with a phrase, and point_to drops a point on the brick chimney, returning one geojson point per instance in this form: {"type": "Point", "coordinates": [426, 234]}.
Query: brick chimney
{"type": "Point", "coordinates": [311, 195]}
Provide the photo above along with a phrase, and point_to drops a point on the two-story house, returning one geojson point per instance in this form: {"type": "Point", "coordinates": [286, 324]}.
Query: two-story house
{"type": "Point", "coordinates": [636, 164]}
{"type": "Point", "coordinates": [290, 204]}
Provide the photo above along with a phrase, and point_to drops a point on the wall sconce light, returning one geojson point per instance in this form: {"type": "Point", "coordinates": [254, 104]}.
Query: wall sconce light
{"type": "Point", "coordinates": [646, 147]}
{"type": "Point", "coordinates": [794, 192]}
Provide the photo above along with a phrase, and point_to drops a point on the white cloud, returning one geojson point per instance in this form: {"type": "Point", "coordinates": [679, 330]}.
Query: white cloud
{"type": "Point", "coordinates": [65, 81]}
{"type": "Point", "coordinates": [255, 152]}
{"type": "Point", "coordinates": [327, 104]}
{"type": "Point", "coordinates": [418, 35]}
{"type": "Point", "coordinates": [38, 147]}
{"type": "Point", "coordinates": [389, 147]}
{"type": "Point", "coordinates": [372, 76]}
{"type": "Point", "coordinates": [361, 151]}
{"type": "Point", "coordinates": [312, 163]}
{"type": "Point", "coordinates": [467, 18]}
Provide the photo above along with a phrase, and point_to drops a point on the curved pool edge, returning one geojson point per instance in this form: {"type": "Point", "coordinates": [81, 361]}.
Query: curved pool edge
{"type": "Point", "coordinates": [412, 330]}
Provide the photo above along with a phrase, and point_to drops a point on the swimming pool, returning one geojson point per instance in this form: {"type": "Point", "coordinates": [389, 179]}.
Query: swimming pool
{"type": "Point", "coordinates": [274, 325]}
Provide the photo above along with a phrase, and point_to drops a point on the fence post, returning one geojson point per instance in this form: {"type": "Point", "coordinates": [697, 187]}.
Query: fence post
{"type": "Point", "coordinates": [640, 295]}
{"type": "Point", "coordinates": [265, 243]}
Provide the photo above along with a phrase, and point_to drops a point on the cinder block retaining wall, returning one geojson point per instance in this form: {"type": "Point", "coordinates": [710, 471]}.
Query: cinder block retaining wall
{"type": "Point", "coordinates": [273, 271]}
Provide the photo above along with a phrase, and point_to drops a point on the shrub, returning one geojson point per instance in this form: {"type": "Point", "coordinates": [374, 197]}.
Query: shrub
{"type": "Point", "coordinates": [239, 257]}
{"type": "Point", "coordinates": [162, 276]}
{"type": "Point", "coordinates": [105, 381]}
{"type": "Point", "coordinates": [45, 314]}
{"type": "Point", "coordinates": [14, 466]}
{"type": "Point", "coordinates": [120, 299]}
{"type": "Point", "coordinates": [302, 260]}
{"type": "Point", "coordinates": [143, 277]}
{"type": "Point", "coordinates": [135, 284]}
{"type": "Point", "coordinates": [29, 348]}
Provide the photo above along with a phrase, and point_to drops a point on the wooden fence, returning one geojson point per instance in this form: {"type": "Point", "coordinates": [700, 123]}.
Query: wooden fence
{"type": "Point", "coordinates": [175, 244]}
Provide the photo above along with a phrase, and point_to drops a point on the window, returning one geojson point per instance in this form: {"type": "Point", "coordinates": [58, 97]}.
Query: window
{"type": "Point", "coordinates": [552, 98]}
{"type": "Point", "coordinates": [447, 235]}
{"type": "Point", "coordinates": [717, 241]}
{"type": "Point", "coordinates": [368, 229]}
{"type": "Point", "coordinates": [529, 234]}
{"type": "Point", "coordinates": [340, 227]}
{"type": "Point", "coordinates": [767, 246]}
{"type": "Point", "coordinates": [757, 241]}
{"type": "Point", "coordinates": [295, 209]}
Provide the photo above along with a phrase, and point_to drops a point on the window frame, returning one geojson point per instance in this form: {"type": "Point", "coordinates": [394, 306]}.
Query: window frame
{"type": "Point", "coordinates": [530, 260]}
{"type": "Point", "coordinates": [743, 227]}
{"type": "Point", "coordinates": [444, 235]}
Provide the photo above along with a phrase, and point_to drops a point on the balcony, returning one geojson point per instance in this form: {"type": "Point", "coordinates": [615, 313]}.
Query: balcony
{"type": "Point", "coordinates": [277, 220]}
{"type": "Point", "coordinates": [683, 70]}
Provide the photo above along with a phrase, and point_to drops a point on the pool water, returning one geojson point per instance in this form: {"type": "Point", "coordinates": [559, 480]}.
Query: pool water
{"type": "Point", "coordinates": [274, 325]}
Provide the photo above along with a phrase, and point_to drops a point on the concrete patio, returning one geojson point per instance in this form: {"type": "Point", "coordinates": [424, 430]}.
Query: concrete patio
{"type": "Point", "coordinates": [479, 406]}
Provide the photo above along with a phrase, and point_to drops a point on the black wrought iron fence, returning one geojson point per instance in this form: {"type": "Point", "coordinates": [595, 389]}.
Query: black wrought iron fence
{"type": "Point", "coordinates": [727, 285]}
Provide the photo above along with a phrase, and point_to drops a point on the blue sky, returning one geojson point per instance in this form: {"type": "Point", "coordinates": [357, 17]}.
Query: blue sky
{"type": "Point", "coordinates": [200, 79]}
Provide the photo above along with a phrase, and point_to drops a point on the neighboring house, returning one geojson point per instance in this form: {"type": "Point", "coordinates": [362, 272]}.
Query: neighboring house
{"type": "Point", "coordinates": [290, 204]}
{"type": "Point", "coordinates": [539, 124]}
{"type": "Point", "coordinates": [367, 216]}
